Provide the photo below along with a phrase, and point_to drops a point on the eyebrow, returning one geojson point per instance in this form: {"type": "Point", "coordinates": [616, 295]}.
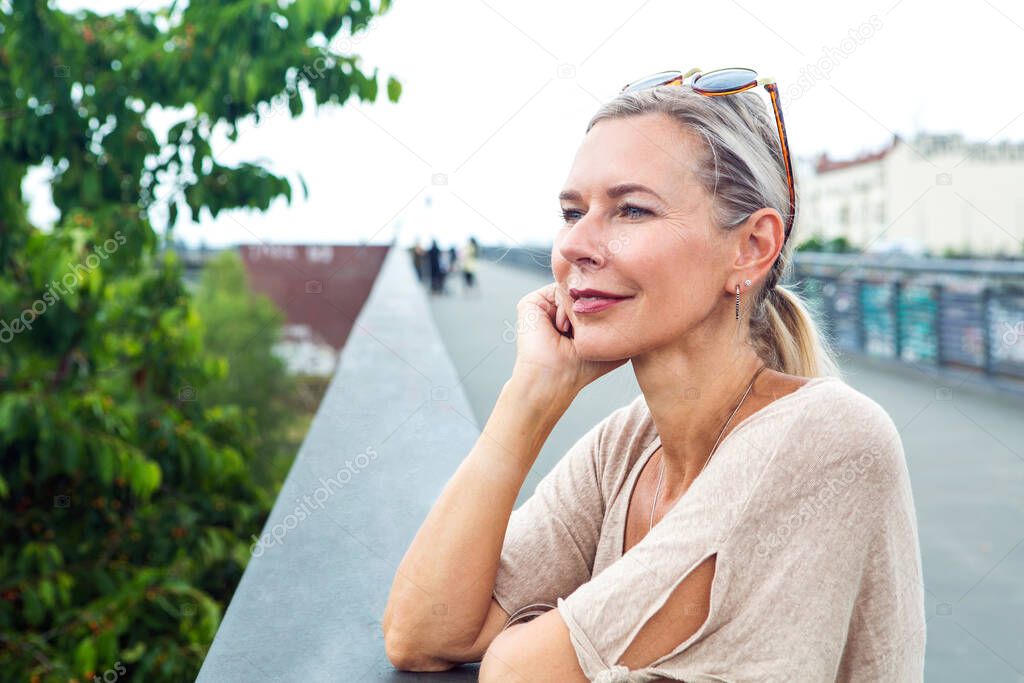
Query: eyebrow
{"type": "Point", "coordinates": [612, 192]}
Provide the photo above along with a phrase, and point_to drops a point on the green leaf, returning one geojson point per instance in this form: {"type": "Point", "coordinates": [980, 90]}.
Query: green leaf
{"type": "Point", "coordinates": [105, 463]}
{"type": "Point", "coordinates": [135, 652]}
{"type": "Point", "coordinates": [12, 414]}
{"type": "Point", "coordinates": [174, 134]}
{"type": "Point", "coordinates": [90, 187]}
{"type": "Point", "coordinates": [295, 104]}
{"type": "Point", "coordinates": [148, 478]}
{"type": "Point", "coordinates": [106, 646]}
{"type": "Point", "coordinates": [85, 657]}
{"type": "Point", "coordinates": [46, 594]}
{"type": "Point", "coordinates": [394, 89]}
{"type": "Point", "coordinates": [33, 607]}
{"type": "Point", "coordinates": [65, 582]}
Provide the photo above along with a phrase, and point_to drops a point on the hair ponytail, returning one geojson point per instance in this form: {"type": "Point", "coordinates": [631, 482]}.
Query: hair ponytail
{"type": "Point", "coordinates": [786, 337]}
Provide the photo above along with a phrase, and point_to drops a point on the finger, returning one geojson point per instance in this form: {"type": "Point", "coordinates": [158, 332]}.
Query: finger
{"type": "Point", "coordinates": [563, 305]}
{"type": "Point", "coordinates": [547, 292]}
{"type": "Point", "coordinates": [537, 297]}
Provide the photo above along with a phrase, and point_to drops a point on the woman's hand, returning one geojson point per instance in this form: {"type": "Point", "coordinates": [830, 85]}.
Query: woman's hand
{"type": "Point", "coordinates": [545, 343]}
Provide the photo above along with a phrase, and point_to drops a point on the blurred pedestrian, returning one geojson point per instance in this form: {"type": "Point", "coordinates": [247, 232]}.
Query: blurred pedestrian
{"type": "Point", "coordinates": [419, 259]}
{"type": "Point", "coordinates": [469, 255]}
{"type": "Point", "coordinates": [451, 267]}
{"type": "Point", "coordinates": [436, 274]}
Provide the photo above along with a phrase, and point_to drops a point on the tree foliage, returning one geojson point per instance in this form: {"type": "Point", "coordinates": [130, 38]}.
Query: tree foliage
{"type": "Point", "coordinates": [836, 245]}
{"type": "Point", "coordinates": [127, 499]}
{"type": "Point", "coordinates": [242, 327]}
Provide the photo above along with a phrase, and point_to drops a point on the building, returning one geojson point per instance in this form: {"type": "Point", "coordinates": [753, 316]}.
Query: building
{"type": "Point", "coordinates": [926, 196]}
{"type": "Point", "coordinates": [320, 288]}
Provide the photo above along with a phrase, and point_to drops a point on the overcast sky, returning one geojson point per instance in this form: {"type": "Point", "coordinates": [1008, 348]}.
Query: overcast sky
{"type": "Point", "coordinates": [497, 94]}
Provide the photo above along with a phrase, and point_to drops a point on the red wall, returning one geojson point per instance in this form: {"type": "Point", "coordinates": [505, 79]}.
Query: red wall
{"type": "Point", "coordinates": [323, 286]}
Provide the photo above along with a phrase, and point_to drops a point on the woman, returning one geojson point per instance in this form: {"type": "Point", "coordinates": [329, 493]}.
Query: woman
{"type": "Point", "coordinates": [792, 554]}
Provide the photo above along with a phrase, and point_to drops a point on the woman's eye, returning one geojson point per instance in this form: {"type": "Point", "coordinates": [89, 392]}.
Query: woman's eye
{"type": "Point", "coordinates": [567, 215]}
{"type": "Point", "coordinates": [641, 212]}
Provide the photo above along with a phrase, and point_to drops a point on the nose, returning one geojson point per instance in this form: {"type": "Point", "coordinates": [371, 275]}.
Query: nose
{"type": "Point", "coordinates": [581, 244]}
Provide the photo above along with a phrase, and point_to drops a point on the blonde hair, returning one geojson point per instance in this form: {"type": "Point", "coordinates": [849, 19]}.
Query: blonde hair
{"type": "Point", "coordinates": [743, 171]}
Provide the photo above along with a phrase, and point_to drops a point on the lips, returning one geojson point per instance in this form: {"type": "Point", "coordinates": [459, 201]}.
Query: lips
{"type": "Point", "coordinates": [593, 294]}
{"type": "Point", "coordinates": [594, 300]}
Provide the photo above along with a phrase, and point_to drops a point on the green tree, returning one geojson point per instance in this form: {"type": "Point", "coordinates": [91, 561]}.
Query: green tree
{"type": "Point", "coordinates": [836, 245]}
{"type": "Point", "coordinates": [127, 498]}
{"type": "Point", "coordinates": [242, 327]}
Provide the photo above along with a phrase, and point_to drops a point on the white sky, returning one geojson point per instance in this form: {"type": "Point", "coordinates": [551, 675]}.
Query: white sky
{"type": "Point", "coordinates": [484, 104]}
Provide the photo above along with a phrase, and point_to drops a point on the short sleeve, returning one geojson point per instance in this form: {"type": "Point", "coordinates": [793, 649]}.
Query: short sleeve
{"type": "Point", "coordinates": [551, 539]}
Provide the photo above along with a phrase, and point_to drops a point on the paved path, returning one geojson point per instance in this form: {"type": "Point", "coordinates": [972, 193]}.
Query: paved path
{"type": "Point", "coordinates": [965, 452]}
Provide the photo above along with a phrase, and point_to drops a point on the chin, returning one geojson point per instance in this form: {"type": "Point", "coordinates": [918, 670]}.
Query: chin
{"type": "Point", "coordinates": [598, 351]}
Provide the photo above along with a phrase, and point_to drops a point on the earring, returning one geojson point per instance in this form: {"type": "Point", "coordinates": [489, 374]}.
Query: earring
{"type": "Point", "coordinates": [746, 283]}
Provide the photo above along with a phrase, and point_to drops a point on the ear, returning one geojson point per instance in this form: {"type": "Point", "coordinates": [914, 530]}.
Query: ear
{"type": "Point", "coordinates": [759, 240]}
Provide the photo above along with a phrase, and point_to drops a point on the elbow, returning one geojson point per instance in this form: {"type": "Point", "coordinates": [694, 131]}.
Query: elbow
{"type": "Point", "coordinates": [390, 645]}
{"type": "Point", "coordinates": [397, 648]}
{"type": "Point", "coordinates": [398, 654]}
{"type": "Point", "coordinates": [401, 656]}
{"type": "Point", "coordinates": [406, 656]}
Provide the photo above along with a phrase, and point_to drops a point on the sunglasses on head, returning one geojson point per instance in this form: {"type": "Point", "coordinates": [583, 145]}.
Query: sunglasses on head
{"type": "Point", "coordinates": [728, 82]}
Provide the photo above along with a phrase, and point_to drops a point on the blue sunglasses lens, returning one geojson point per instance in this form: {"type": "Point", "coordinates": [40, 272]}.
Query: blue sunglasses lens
{"type": "Point", "coordinates": [724, 80]}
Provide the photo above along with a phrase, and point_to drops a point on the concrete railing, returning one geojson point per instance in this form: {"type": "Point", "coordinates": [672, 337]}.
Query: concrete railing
{"type": "Point", "coordinates": [392, 428]}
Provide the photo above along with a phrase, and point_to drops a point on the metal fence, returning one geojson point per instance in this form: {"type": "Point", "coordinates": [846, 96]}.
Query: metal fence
{"type": "Point", "coordinates": [928, 311]}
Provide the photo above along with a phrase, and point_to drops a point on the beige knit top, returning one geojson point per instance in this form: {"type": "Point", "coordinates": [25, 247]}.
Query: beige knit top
{"type": "Point", "coordinates": [807, 503]}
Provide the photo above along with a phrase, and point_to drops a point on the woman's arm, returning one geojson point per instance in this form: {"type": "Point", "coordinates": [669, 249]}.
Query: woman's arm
{"type": "Point", "coordinates": [441, 594]}
{"type": "Point", "coordinates": [440, 610]}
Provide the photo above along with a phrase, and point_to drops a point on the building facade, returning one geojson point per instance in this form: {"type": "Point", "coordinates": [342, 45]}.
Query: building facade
{"type": "Point", "coordinates": [925, 196]}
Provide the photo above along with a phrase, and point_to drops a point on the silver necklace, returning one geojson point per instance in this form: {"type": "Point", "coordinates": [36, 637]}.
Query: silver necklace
{"type": "Point", "coordinates": [661, 473]}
